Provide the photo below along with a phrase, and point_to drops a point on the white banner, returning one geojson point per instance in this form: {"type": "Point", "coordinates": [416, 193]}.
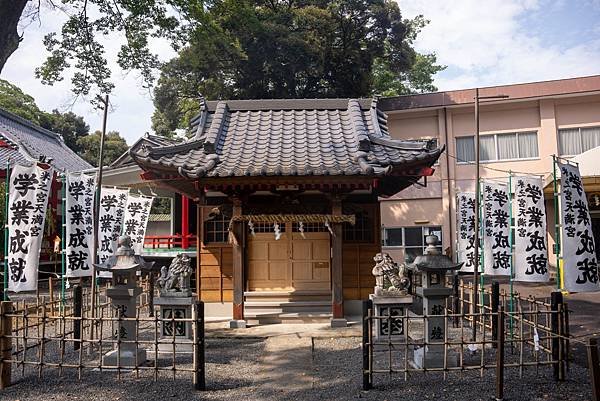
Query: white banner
{"type": "Point", "coordinates": [27, 202]}
{"type": "Point", "coordinates": [136, 220]}
{"type": "Point", "coordinates": [580, 267]}
{"type": "Point", "coordinates": [79, 224]}
{"type": "Point", "coordinates": [110, 222]}
{"type": "Point", "coordinates": [496, 229]}
{"type": "Point", "coordinates": [466, 231]}
{"type": "Point", "coordinates": [531, 252]}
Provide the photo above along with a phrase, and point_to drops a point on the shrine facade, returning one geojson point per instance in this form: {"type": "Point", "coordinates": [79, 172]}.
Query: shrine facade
{"type": "Point", "coordinates": [287, 201]}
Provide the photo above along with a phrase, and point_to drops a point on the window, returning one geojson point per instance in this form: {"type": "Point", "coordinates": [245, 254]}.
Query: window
{"type": "Point", "coordinates": [412, 239]}
{"type": "Point", "coordinates": [216, 229]}
{"type": "Point", "coordinates": [573, 141]}
{"type": "Point", "coordinates": [511, 146]}
{"type": "Point", "coordinates": [361, 231]}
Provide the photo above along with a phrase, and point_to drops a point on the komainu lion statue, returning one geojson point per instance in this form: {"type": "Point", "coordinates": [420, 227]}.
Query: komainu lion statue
{"type": "Point", "coordinates": [175, 281]}
{"type": "Point", "coordinates": [390, 278]}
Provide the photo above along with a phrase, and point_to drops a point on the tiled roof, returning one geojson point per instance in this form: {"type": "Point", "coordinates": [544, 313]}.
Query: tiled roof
{"type": "Point", "coordinates": [30, 141]}
{"type": "Point", "coordinates": [144, 142]}
{"type": "Point", "coordinates": [288, 137]}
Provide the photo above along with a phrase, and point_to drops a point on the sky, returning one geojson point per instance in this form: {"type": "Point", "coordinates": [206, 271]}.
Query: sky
{"type": "Point", "coordinates": [482, 43]}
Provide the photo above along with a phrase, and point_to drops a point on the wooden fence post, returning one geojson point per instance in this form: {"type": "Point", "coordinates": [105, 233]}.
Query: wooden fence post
{"type": "Point", "coordinates": [594, 368]}
{"type": "Point", "coordinates": [366, 346]}
{"type": "Point", "coordinates": [500, 355]}
{"type": "Point", "coordinates": [151, 294]}
{"type": "Point", "coordinates": [199, 356]}
{"type": "Point", "coordinates": [77, 313]}
{"type": "Point", "coordinates": [6, 307]}
{"type": "Point", "coordinates": [495, 301]}
{"type": "Point", "coordinates": [455, 301]}
{"type": "Point", "coordinates": [556, 299]}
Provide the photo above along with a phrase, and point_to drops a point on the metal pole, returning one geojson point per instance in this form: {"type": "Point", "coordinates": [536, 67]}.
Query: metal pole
{"type": "Point", "coordinates": [477, 215]}
{"type": "Point", "coordinates": [97, 209]}
{"type": "Point", "coordinates": [510, 241]}
{"type": "Point", "coordinates": [557, 225]}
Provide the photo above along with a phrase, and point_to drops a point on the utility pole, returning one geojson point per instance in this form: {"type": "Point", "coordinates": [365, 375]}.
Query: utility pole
{"type": "Point", "coordinates": [478, 208]}
{"type": "Point", "coordinates": [97, 209]}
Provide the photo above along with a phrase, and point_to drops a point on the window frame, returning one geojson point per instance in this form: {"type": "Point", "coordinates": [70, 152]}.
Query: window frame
{"type": "Point", "coordinates": [579, 129]}
{"type": "Point", "coordinates": [403, 228]}
{"type": "Point", "coordinates": [495, 136]}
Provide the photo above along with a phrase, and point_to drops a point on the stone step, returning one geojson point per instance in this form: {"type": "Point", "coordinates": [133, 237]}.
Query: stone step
{"type": "Point", "coordinates": [287, 296]}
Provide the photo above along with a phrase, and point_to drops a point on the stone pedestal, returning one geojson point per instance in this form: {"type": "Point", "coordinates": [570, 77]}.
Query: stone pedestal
{"type": "Point", "coordinates": [432, 355]}
{"type": "Point", "coordinates": [124, 300]}
{"type": "Point", "coordinates": [385, 305]}
{"type": "Point", "coordinates": [178, 308]}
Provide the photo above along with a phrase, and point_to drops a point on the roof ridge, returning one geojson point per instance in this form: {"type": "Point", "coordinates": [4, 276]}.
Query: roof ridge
{"type": "Point", "coordinates": [29, 124]}
{"type": "Point", "coordinates": [359, 125]}
{"type": "Point", "coordinates": [214, 131]}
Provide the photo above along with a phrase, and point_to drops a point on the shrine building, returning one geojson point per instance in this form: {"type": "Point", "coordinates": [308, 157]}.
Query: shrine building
{"type": "Point", "coordinates": [286, 196]}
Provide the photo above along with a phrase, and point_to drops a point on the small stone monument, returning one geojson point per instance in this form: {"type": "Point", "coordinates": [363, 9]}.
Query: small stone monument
{"type": "Point", "coordinates": [390, 297]}
{"type": "Point", "coordinates": [433, 267]}
{"type": "Point", "coordinates": [175, 301]}
{"type": "Point", "coordinates": [123, 293]}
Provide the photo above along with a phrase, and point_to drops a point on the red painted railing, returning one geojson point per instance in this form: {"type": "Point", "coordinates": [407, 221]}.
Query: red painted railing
{"type": "Point", "coordinates": [170, 241]}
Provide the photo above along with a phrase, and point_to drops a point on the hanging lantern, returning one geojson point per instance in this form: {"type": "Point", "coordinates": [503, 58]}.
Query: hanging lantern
{"type": "Point", "coordinates": [277, 231]}
{"type": "Point", "coordinates": [251, 227]}
{"type": "Point", "coordinates": [301, 229]}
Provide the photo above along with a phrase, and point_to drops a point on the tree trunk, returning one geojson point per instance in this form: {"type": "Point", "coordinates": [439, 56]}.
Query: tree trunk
{"type": "Point", "coordinates": [10, 13]}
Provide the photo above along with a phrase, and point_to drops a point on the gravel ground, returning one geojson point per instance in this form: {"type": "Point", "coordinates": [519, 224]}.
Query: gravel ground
{"type": "Point", "coordinates": [236, 371]}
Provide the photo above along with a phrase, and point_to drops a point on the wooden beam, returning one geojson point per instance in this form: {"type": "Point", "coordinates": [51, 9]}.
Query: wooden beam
{"type": "Point", "coordinates": [238, 262]}
{"type": "Point", "coordinates": [199, 243]}
{"type": "Point", "coordinates": [337, 290]}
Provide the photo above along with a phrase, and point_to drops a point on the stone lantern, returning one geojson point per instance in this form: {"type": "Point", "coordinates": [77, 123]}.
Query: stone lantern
{"type": "Point", "coordinates": [123, 293]}
{"type": "Point", "coordinates": [433, 267]}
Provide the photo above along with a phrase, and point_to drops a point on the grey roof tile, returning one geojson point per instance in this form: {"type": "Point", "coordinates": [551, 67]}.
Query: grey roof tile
{"type": "Point", "coordinates": [289, 137]}
{"type": "Point", "coordinates": [31, 141]}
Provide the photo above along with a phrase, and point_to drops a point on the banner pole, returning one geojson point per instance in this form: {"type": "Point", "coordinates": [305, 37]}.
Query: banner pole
{"type": "Point", "coordinates": [7, 191]}
{"type": "Point", "coordinates": [557, 242]}
{"type": "Point", "coordinates": [64, 239]}
{"type": "Point", "coordinates": [510, 242]}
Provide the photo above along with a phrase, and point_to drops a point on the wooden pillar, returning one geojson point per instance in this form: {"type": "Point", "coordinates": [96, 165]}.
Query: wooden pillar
{"type": "Point", "coordinates": [337, 290]}
{"type": "Point", "coordinates": [185, 222]}
{"type": "Point", "coordinates": [238, 234]}
{"type": "Point", "coordinates": [199, 242]}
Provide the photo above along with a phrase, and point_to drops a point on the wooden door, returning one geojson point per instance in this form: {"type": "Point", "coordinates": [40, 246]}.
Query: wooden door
{"type": "Point", "coordinates": [292, 263]}
{"type": "Point", "coordinates": [310, 260]}
{"type": "Point", "coordinates": [268, 261]}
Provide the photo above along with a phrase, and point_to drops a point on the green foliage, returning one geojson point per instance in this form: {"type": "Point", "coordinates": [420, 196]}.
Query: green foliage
{"type": "Point", "coordinates": [292, 49]}
{"type": "Point", "coordinates": [114, 146]}
{"type": "Point", "coordinates": [69, 125]}
{"type": "Point", "coordinates": [13, 99]}
{"type": "Point", "coordinates": [78, 45]}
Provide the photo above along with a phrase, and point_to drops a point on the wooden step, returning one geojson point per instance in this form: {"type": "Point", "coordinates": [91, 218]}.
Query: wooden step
{"type": "Point", "coordinates": [289, 296]}
{"type": "Point", "coordinates": [299, 317]}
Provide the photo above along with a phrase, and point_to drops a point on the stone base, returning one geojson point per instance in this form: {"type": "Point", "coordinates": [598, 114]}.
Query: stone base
{"type": "Point", "coordinates": [237, 324]}
{"type": "Point", "coordinates": [339, 322]}
{"type": "Point", "coordinates": [382, 306]}
{"type": "Point", "coordinates": [434, 359]}
{"type": "Point", "coordinates": [182, 345]}
{"type": "Point", "coordinates": [127, 358]}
